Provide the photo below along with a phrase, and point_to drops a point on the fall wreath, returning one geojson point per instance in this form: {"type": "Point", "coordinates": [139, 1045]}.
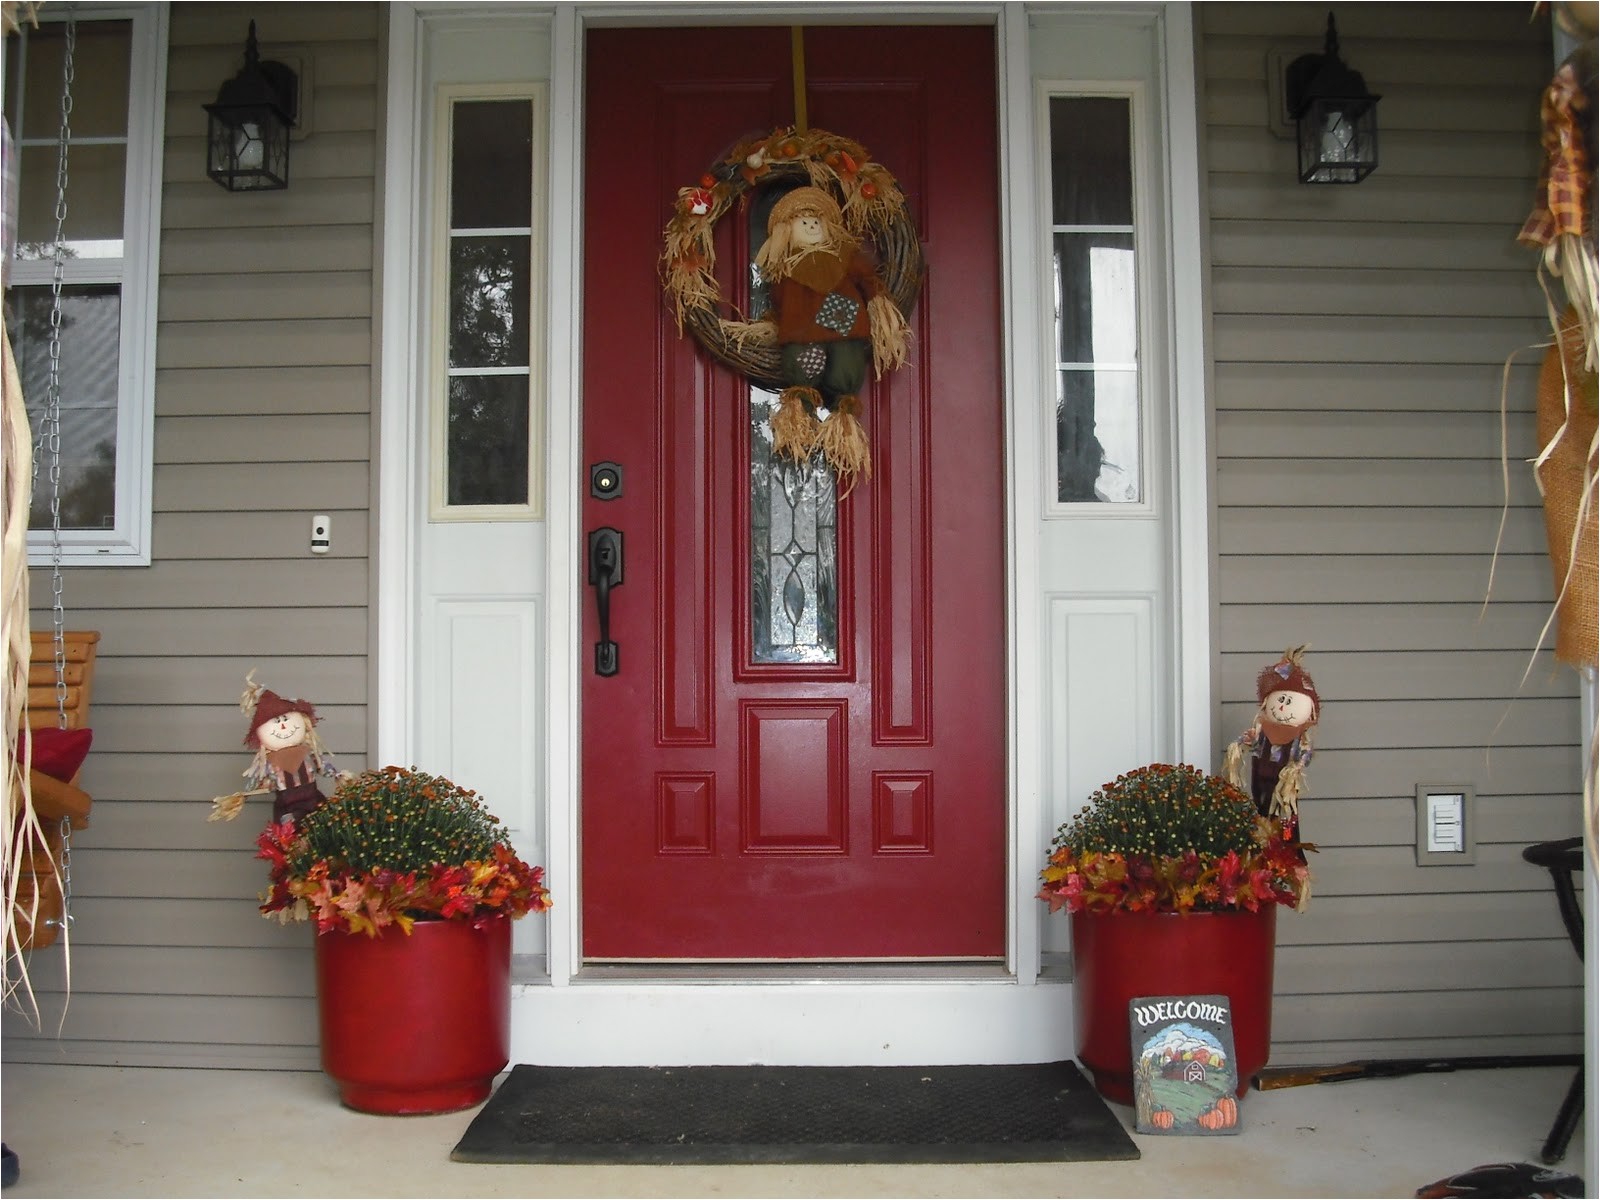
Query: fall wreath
{"type": "Point", "coordinates": [834, 180]}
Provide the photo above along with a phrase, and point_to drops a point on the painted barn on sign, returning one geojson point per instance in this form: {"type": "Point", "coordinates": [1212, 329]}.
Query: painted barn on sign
{"type": "Point", "coordinates": [1165, 410]}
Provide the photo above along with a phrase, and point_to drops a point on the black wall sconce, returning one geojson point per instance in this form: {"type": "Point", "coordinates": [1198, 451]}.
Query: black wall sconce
{"type": "Point", "coordinates": [247, 141]}
{"type": "Point", "coordinates": [1336, 118]}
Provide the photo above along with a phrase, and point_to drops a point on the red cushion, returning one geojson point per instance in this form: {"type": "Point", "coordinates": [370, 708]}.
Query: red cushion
{"type": "Point", "coordinates": [58, 753]}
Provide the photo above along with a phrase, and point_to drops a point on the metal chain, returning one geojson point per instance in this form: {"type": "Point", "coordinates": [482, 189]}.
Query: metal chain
{"type": "Point", "coordinates": [53, 392]}
{"type": "Point", "coordinates": [51, 437]}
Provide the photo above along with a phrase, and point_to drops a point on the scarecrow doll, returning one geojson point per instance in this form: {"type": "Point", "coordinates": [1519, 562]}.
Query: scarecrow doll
{"type": "Point", "coordinates": [289, 756]}
{"type": "Point", "coordinates": [1278, 742]}
{"type": "Point", "coordinates": [830, 316]}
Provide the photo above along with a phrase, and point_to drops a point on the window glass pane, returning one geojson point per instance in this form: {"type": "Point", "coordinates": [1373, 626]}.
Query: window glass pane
{"type": "Point", "coordinates": [90, 329]}
{"type": "Point", "coordinates": [491, 172]}
{"type": "Point", "coordinates": [1097, 436]}
{"type": "Point", "coordinates": [99, 80]}
{"type": "Point", "coordinates": [487, 440]}
{"type": "Point", "coordinates": [1096, 313]}
{"type": "Point", "coordinates": [794, 603]}
{"type": "Point", "coordinates": [93, 227]}
{"type": "Point", "coordinates": [1091, 161]}
{"type": "Point", "coordinates": [489, 280]}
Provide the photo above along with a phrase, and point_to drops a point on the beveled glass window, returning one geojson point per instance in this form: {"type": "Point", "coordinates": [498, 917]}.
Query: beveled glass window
{"type": "Point", "coordinates": [1094, 286]}
{"type": "Point", "coordinates": [486, 463]}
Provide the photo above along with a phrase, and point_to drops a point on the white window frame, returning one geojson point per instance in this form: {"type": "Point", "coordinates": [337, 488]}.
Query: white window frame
{"type": "Point", "coordinates": [1145, 247]}
{"type": "Point", "coordinates": [127, 543]}
{"type": "Point", "coordinates": [446, 96]}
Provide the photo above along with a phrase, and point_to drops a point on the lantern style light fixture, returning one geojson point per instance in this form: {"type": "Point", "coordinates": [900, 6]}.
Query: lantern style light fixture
{"type": "Point", "coordinates": [1336, 118]}
{"type": "Point", "coordinates": [247, 143]}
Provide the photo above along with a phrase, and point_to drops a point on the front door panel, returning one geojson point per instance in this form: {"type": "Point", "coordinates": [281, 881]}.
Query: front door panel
{"type": "Point", "coordinates": [801, 752]}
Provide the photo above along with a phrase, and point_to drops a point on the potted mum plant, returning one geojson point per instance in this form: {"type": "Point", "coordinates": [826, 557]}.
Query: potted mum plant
{"type": "Point", "coordinates": [412, 885]}
{"type": "Point", "coordinates": [1173, 881]}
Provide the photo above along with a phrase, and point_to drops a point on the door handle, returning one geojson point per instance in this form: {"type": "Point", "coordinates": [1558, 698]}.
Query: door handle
{"type": "Point", "coordinates": [605, 573]}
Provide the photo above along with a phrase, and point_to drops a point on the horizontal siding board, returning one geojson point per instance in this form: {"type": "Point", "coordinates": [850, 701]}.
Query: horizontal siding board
{"type": "Point", "coordinates": [1347, 579]}
{"type": "Point", "coordinates": [265, 535]}
{"type": "Point", "coordinates": [201, 204]}
{"type": "Point", "coordinates": [1380, 870]}
{"type": "Point", "coordinates": [336, 246]}
{"type": "Point", "coordinates": [330, 154]}
{"type": "Point", "coordinates": [216, 584]}
{"type": "Point", "coordinates": [1442, 197]}
{"type": "Point", "coordinates": [1353, 482]}
{"type": "Point", "coordinates": [335, 110]}
{"type": "Point", "coordinates": [1380, 433]}
{"type": "Point", "coordinates": [167, 874]}
{"type": "Point", "coordinates": [216, 487]}
{"type": "Point", "coordinates": [230, 391]}
{"type": "Point", "coordinates": [1495, 109]}
{"type": "Point", "coordinates": [323, 679]}
{"type": "Point", "coordinates": [264, 343]}
{"type": "Point", "coordinates": [132, 777]}
{"type": "Point", "coordinates": [1517, 821]}
{"type": "Point", "coordinates": [1426, 917]}
{"type": "Point", "coordinates": [1324, 387]}
{"type": "Point", "coordinates": [1487, 966]}
{"type": "Point", "coordinates": [195, 1055]}
{"type": "Point", "coordinates": [184, 972]}
{"type": "Point", "coordinates": [283, 296]}
{"type": "Point", "coordinates": [197, 67]}
{"type": "Point", "coordinates": [220, 1019]}
{"type": "Point", "coordinates": [179, 729]}
{"type": "Point", "coordinates": [279, 22]}
{"type": "Point", "coordinates": [1347, 676]}
{"type": "Point", "coordinates": [1505, 62]}
{"type": "Point", "coordinates": [1428, 1014]}
{"type": "Point", "coordinates": [1272, 239]}
{"type": "Point", "coordinates": [1434, 721]}
{"type": "Point", "coordinates": [312, 437]}
{"type": "Point", "coordinates": [1441, 627]}
{"type": "Point", "coordinates": [1503, 770]}
{"type": "Point", "coordinates": [1466, 154]}
{"type": "Point", "coordinates": [125, 921]}
{"type": "Point", "coordinates": [1437, 530]}
{"type": "Point", "coordinates": [1477, 1045]}
{"type": "Point", "coordinates": [209, 632]}
{"type": "Point", "coordinates": [1293, 340]}
{"type": "Point", "coordinates": [1357, 291]}
{"type": "Point", "coordinates": [1365, 27]}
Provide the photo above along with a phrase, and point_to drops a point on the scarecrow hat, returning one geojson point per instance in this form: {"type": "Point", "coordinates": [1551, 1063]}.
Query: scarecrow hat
{"type": "Point", "coordinates": [1287, 675]}
{"type": "Point", "coordinates": [801, 201]}
{"type": "Point", "coordinates": [270, 706]}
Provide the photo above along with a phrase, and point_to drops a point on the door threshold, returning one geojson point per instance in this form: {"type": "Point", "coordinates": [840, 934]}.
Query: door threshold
{"type": "Point", "coordinates": [833, 971]}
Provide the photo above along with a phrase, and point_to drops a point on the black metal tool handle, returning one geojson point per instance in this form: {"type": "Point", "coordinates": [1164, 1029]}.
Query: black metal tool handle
{"type": "Point", "coordinates": [605, 573]}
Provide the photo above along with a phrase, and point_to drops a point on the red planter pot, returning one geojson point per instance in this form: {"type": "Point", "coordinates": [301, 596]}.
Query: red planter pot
{"type": "Point", "coordinates": [1117, 956]}
{"type": "Point", "coordinates": [419, 1023]}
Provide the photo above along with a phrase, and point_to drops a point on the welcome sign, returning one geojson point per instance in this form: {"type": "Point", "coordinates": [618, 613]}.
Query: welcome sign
{"type": "Point", "coordinates": [1185, 1079]}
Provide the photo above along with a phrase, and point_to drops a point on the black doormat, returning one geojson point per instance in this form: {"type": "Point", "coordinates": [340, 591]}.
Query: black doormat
{"type": "Point", "coordinates": [672, 1115]}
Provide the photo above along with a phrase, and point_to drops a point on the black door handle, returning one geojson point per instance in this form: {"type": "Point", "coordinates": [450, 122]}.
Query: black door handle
{"type": "Point", "coordinates": [605, 573]}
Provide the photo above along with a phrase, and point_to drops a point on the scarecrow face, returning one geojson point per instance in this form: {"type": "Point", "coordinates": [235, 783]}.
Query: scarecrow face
{"type": "Point", "coordinates": [1288, 708]}
{"type": "Point", "coordinates": [808, 231]}
{"type": "Point", "coordinates": [282, 732]}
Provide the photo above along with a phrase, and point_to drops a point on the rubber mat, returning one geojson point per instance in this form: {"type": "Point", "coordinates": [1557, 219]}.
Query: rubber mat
{"type": "Point", "coordinates": [674, 1115]}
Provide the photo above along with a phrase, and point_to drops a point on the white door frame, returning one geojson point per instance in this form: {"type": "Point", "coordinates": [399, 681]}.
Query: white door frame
{"type": "Point", "coordinates": [570, 1016]}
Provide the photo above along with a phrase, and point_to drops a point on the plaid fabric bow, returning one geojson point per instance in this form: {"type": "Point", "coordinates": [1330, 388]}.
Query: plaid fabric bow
{"type": "Point", "coordinates": [1566, 176]}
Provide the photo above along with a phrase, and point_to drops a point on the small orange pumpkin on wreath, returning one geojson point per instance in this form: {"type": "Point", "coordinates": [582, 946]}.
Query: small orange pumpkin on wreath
{"type": "Point", "coordinates": [833, 306]}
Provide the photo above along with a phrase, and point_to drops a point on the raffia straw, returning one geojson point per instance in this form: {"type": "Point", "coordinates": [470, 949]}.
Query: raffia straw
{"type": "Point", "coordinates": [21, 834]}
{"type": "Point", "coordinates": [794, 426]}
{"type": "Point", "coordinates": [843, 445]}
{"type": "Point", "coordinates": [891, 334]}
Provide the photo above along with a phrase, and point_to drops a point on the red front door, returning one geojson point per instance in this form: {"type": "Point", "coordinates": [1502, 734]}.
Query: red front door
{"type": "Point", "coordinates": [801, 754]}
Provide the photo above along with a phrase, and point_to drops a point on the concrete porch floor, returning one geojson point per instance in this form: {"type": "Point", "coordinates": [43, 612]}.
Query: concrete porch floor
{"type": "Point", "coordinates": [143, 1131]}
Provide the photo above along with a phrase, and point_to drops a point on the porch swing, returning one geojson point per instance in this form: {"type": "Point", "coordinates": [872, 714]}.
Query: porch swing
{"type": "Point", "coordinates": [52, 736]}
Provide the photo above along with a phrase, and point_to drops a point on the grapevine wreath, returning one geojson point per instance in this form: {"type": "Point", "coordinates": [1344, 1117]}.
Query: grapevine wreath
{"type": "Point", "coordinates": [817, 358]}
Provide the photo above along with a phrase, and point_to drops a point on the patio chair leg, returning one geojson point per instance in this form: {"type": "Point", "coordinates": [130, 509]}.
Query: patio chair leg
{"type": "Point", "coordinates": [1555, 1146]}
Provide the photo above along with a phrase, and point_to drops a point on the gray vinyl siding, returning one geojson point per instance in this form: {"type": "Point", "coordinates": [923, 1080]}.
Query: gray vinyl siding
{"type": "Point", "coordinates": [263, 417]}
{"type": "Point", "coordinates": [1359, 336]}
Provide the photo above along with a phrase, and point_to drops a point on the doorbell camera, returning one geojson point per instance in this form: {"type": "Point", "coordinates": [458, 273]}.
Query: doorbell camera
{"type": "Point", "coordinates": [321, 533]}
